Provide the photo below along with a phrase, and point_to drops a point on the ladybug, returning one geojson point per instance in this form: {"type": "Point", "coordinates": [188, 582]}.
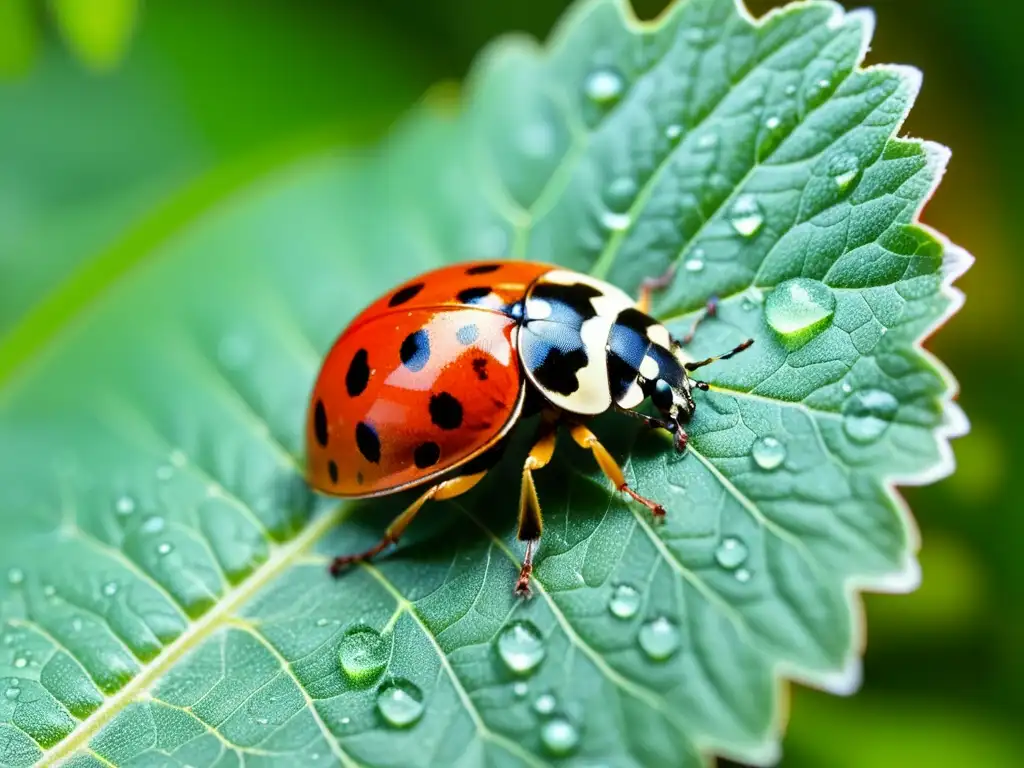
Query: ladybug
{"type": "Point", "coordinates": [424, 385]}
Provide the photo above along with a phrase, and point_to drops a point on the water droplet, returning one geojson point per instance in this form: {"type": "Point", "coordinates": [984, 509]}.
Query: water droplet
{"type": "Point", "coordinates": [346, 720]}
{"type": "Point", "coordinates": [625, 602]}
{"type": "Point", "coordinates": [604, 86]}
{"type": "Point", "coordinates": [845, 170]}
{"type": "Point", "coordinates": [521, 647]}
{"type": "Point", "coordinates": [800, 309]}
{"type": "Point", "coordinates": [559, 736]}
{"type": "Point", "coordinates": [537, 139]}
{"type": "Point", "coordinates": [15, 576]}
{"type": "Point", "coordinates": [400, 703]}
{"type": "Point", "coordinates": [772, 123]}
{"type": "Point", "coordinates": [164, 472]}
{"type": "Point", "coordinates": [153, 525]}
{"type": "Point", "coordinates": [616, 222]}
{"type": "Point", "coordinates": [322, 622]}
{"type": "Point", "coordinates": [695, 262]}
{"type": "Point", "coordinates": [164, 548]}
{"type": "Point", "coordinates": [731, 553]}
{"type": "Point", "coordinates": [545, 704]}
{"type": "Point", "coordinates": [520, 689]}
{"type": "Point", "coordinates": [791, 89]}
{"type": "Point", "coordinates": [768, 452]}
{"type": "Point", "coordinates": [124, 505]}
{"type": "Point", "coordinates": [12, 693]}
{"type": "Point", "coordinates": [707, 141]}
{"type": "Point", "coordinates": [363, 654]}
{"type": "Point", "coordinates": [746, 216]}
{"type": "Point", "coordinates": [110, 588]}
{"type": "Point", "coordinates": [76, 625]}
{"type": "Point", "coordinates": [178, 458]}
{"type": "Point", "coordinates": [49, 591]}
{"type": "Point", "coordinates": [21, 662]}
{"type": "Point", "coordinates": [674, 132]}
{"type": "Point", "coordinates": [868, 413]}
{"type": "Point", "coordinates": [621, 193]}
{"type": "Point", "coordinates": [262, 720]}
{"type": "Point", "coordinates": [847, 387]}
{"type": "Point", "coordinates": [659, 638]}
{"type": "Point", "coordinates": [695, 35]}
{"type": "Point", "coordinates": [742, 575]}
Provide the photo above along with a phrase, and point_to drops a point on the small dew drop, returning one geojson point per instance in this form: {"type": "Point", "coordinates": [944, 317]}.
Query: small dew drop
{"type": "Point", "coordinates": [847, 387]}
{"type": "Point", "coordinates": [867, 414]}
{"type": "Point", "coordinates": [520, 689]}
{"type": "Point", "coordinates": [76, 625]}
{"type": "Point", "coordinates": [164, 548]}
{"type": "Point", "coordinates": [15, 576]}
{"type": "Point", "coordinates": [731, 553]}
{"type": "Point", "coordinates": [21, 662]}
{"type": "Point", "coordinates": [262, 720]}
{"type": "Point", "coordinates": [695, 35]}
{"type": "Point", "coordinates": [537, 140]}
{"type": "Point", "coordinates": [178, 458]}
{"type": "Point", "coordinates": [674, 132]}
{"type": "Point", "coordinates": [616, 222]}
{"type": "Point", "coordinates": [694, 263]}
{"type": "Point", "coordinates": [768, 453]}
{"type": "Point", "coordinates": [164, 472]}
{"type": "Point", "coordinates": [153, 525]}
{"type": "Point", "coordinates": [621, 192]}
{"type": "Point", "coordinates": [322, 622]}
{"type": "Point", "coordinates": [742, 575]}
{"type": "Point", "coordinates": [659, 639]}
{"type": "Point", "coordinates": [707, 141]}
{"type": "Point", "coordinates": [363, 654]}
{"type": "Point", "coordinates": [800, 309]}
{"type": "Point", "coordinates": [559, 737]}
{"type": "Point", "coordinates": [400, 703]}
{"type": "Point", "coordinates": [521, 647]}
{"type": "Point", "coordinates": [746, 216]}
{"type": "Point", "coordinates": [772, 123]}
{"type": "Point", "coordinates": [604, 86]}
{"type": "Point", "coordinates": [791, 89]}
{"type": "Point", "coordinates": [12, 693]}
{"type": "Point", "coordinates": [124, 505]}
{"type": "Point", "coordinates": [346, 720]}
{"type": "Point", "coordinates": [545, 704]}
{"type": "Point", "coordinates": [110, 588]}
{"type": "Point", "coordinates": [49, 591]}
{"type": "Point", "coordinates": [625, 602]}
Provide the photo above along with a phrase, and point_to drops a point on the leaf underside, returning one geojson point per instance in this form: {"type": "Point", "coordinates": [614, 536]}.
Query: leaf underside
{"type": "Point", "coordinates": [166, 600]}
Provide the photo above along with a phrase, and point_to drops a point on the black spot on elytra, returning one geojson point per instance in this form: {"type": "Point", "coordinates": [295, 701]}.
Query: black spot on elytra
{"type": "Point", "coordinates": [559, 370]}
{"type": "Point", "coordinates": [320, 423]}
{"type": "Point", "coordinates": [483, 269]}
{"type": "Point", "coordinates": [405, 294]}
{"type": "Point", "coordinates": [621, 376]}
{"type": "Point", "coordinates": [480, 368]}
{"type": "Point", "coordinates": [467, 334]}
{"type": "Point", "coordinates": [368, 442]}
{"type": "Point", "coordinates": [568, 301]}
{"type": "Point", "coordinates": [473, 295]}
{"type": "Point", "coordinates": [359, 478]}
{"type": "Point", "coordinates": [445, 411]}
{"type": "Point", "coordinates": [332, 470]}
{"type": "Point", "coordinates": [415, 350]}
{"type": "Point", "coordinates": [426, 455]}
{"type": "Point", "coordinates": [358, 374]}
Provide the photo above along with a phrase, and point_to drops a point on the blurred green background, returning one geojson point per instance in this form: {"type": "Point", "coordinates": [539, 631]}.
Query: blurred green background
{"type": "Point", "coordinates": [119, 119]}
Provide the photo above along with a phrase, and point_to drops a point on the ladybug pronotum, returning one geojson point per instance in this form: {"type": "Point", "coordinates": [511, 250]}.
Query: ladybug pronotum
{"type": "Point", "coordinates": [423, 386]}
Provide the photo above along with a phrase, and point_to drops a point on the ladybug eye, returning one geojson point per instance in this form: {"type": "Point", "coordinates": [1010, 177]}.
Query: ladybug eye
{"type": "Point", "coordinates": [662, 395]}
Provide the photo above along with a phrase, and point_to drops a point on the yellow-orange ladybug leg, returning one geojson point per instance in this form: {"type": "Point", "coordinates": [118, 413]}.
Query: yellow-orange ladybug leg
{"type": "Point", "coordinates": [531, 522]}
{"type": "Point", "coordinates": [586, 439]}
{"type": "Point", "coordinates": [447, 489]}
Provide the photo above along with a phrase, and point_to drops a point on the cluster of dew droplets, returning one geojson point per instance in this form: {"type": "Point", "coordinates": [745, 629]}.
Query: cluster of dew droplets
{"type": "Point", "coordinates": [731, 553]}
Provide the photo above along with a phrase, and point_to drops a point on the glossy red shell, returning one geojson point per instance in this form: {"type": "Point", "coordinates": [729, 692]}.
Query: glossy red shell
{"type": "Point", "coordinates": [423, 380]}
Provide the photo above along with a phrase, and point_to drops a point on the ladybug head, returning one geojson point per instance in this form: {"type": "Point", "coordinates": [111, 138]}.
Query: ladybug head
{"type": "Point", "coordinates": [670, 393]}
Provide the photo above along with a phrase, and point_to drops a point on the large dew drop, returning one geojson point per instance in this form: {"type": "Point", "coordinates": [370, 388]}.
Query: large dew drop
{"type": "Point", "coordinates": [604, 86]}
{"type": "Point", "coordinates": [731, 553]}
{"type": "Point", "coordinates": [867, 414]}
{"type": "Point", "coordinates": [768, 453]}
{"type": "Point", "coordinates": [363, 655]}
{"type": "Point", "coordinates": [400, 703]}
{"type": "Point", "coordinates": [559, 736]}
{"type": "Point", "coordinates": [746, 216]}
{"type": "Point", "coordinates": [800, 309]}
{"type": "Point", "coordinates": [521, 647]}
{"type": "Point", "coordinates": [625, 602]}
{"type": "Point", "coordinates": [659, 639]}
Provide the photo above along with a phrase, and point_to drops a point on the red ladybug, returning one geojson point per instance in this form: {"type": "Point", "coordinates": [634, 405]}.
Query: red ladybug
{"type": "Point", "coordinates": [424, 385]}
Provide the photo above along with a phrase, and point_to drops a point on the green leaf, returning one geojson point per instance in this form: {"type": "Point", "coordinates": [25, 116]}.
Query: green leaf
{"type": "Point", "coordinates": [166, 597]}
{"type": "Point", "coordinates": [98, 31]}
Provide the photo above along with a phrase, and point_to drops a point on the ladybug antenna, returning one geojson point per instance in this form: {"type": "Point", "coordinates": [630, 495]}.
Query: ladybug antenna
{"type": "Point", "coordinates": [701, 363]}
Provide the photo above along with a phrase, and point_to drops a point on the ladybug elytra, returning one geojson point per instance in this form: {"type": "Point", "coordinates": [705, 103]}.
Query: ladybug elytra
{"type": "Point", "coordinates": [423, 386]}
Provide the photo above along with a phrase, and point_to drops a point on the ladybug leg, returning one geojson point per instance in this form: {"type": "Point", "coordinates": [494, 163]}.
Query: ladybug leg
{"type": "Point", "coordinates": [531, 523]}
{"type": "Point", "coordinates": [710, 310]}
{"type": "Point", "coordinates": [690, 367]}
{"type": "Point", "coordinates": [586, 439]}
{"type": "Point", "coordinates": [651, 284]}
{"type": "Point", "coordinates": [445, 490]}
